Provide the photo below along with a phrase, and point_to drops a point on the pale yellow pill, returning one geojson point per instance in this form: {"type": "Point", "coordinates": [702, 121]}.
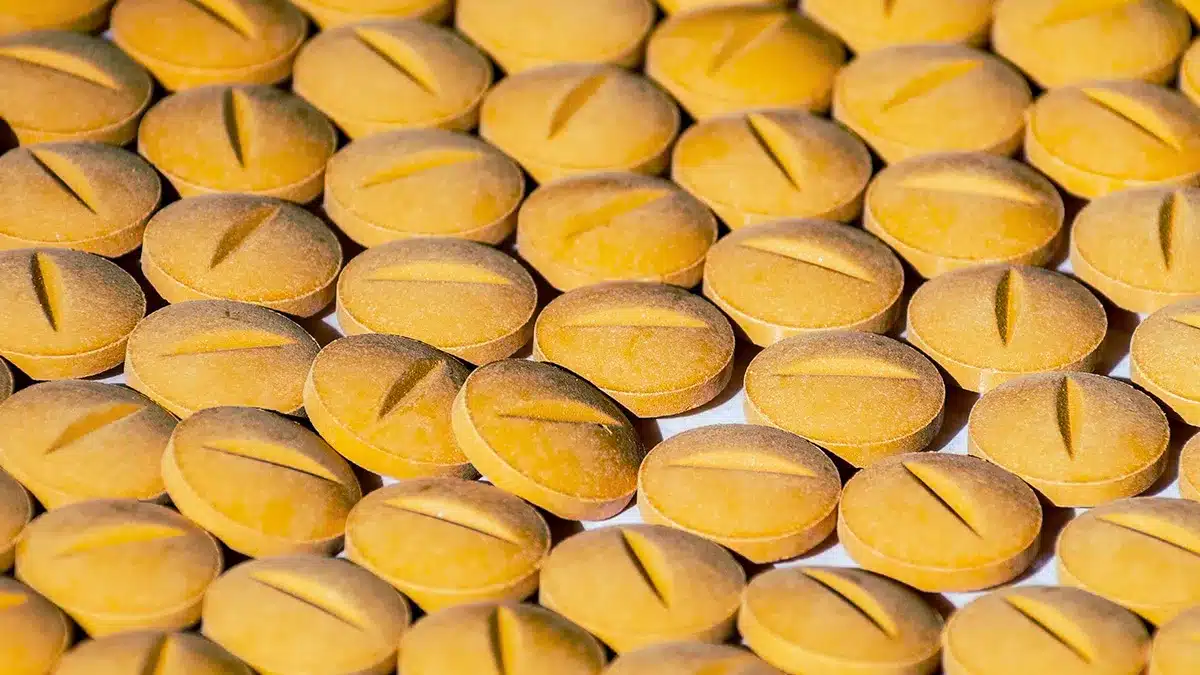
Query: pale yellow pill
{"type": "Point", "coordinates": [1163, 358]}
{"type": "Point", "coordinates": [1141, 553]}
{"type": "Point", "coordinates": [966, 524]}
{"type": "Point", "coordinates": [86, 196]}
{"type": "Point", "coordinates": [867, 25]}
{"type": "Point", "coordinates": [1189, 469]}
{"type": "Point", "coordinates": [71, 441]}
{"type": "Point", "coordinates": [259, 250]}
{"type": "Point", "coordinates": [862, 397]}
{"type": "Point", "coordinates": [498, 638]}
{"type": "Point", "coordinates": [639, 585]}
{"type": "Point", "coordinates": [1043, 629]}
{"type": "Point", "coordinates": [772, 164]}
{"type": "Point", "coordinates": [656, 349]}
{"type": "Point", "coordinates": [36, 633]}
{"type": "Point", "coordinates": [333, 13]}
{"type": "Point", "coordinates": [1175, 650]}
{"type": "Point", "coordinates": [763, 493]}
{"type": "Point", "coordinates": [1189, 72]}
{"type": "Point", "coordinates": [615, 227]}
{"type": "Point", "coordinates": [150, 652]}
{"type": "Point", "coordinates": [797, 277]}
{"type": "Point", "coordinates": [546, 435]}
{"type": "Point", "coordinates": [119, 565]}
{"type": "Point", "coordinates": [839, 620]}
{"type": "Point", "coordinates": [261, 483]}
{"type": "Point", "coordinates": [689, 658]}
{"type": "Point", "coordinates": [85, 16]}
{"type": "Point", "coordinates": [16, 510]}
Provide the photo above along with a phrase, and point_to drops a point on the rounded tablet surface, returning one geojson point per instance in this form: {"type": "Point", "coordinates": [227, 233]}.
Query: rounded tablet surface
{"type": "Point", "coordinates": [72, 440]}
{"type": "Point", "coordinates": [525, 34]}
{"type": "Point", "coordinates": [731, 59]}
{"type": "Point", "coordinates": [1102, 137]}
{"type": "Point", "coordinates": [838, 620]}
{"type": "Point", "coordinates": [334, 13]}
{"type": "Point", "coordinates": [639, 585]}
{"type": "Point", "coordinates": [580, 118]}
{"type": "Point", "coordinates": [66, 313]}
{"type": "Point", "coordinates": [763, 493]}
{"type": "Point", "coordinates": [60, 86]}
{"type": "Point", "coordinates": [422, 289]}
{"type": "Point", "coordinates": [867, 25]}
{"type": "Point", "coordinates": [191, 43]}
{"type": "Point", "coordinates": [452, 185]}
{"type": "Point", "coordinates": [987, 325]}
{"type": "Point", "coordinates": [1064, 42]}
{"type": "Point", "coordinates": [1139, 247]}
{"type": "Point", "coordinates": [209, 353]}
{"type": "Point", "coordinates": [801, 276]}
{"type": "Point", "coordinates": [615, 227]}
{"type": "Point", "coordinates": [85, 16]}
{"type": "Point", "coordinates": [86, 196]}
{"type": "Point", "coordinates": [150, 652]}
{"type": "Point", "coordinates": [446, 541]}
{"type": "Point", "coordinates": [306, 615]}
{"type": "Point", "coordinates": [36, 633]}
{"type": "Point", "coordinates": [689, 658]}
{"type": "Point", "coordinates": [383, 402]}
{"type": "Point", "coordinates": [16, 510]}
{"type": "Point", "coordinates": [1141, 553]}
{"type": "Point", "coordinates": [1165, 361]}
{"type": "Point", "coordinates": [947, 211]}
{"type": "Point", "coordinates": [252, 249]}
{"type": "Point", "coordinates": [1079, 439]}
{"type": "Point", "coordinates": [252, 139]}
{"type": "Point", "coordinates": [119, 565]}
{"type": "Point", "coordinates": [499, 637]}
{"type": "Point", "coordinates": [1189, 469]}
{"type": "Point", "coordinates": [862, 397]}
{"type": "Point", "coordinates": [656, 349]}
{"type": "Point", "coordinates": [399, 74]}
{"type": "Point", "coordinates": [772, 164]}
{"type": "Point", "coordinates": [965, 524]}
{"type": "Point", "coordinates": [1189, 72]}
{"type": "Point", "coordinates": [1043, 629]}
{"type": "Point", "coordinates": [544, 434]}
{"type": "Point", "coordinates": [1175, 650]}
{"type": "Point", "coordinates": [261, 483]}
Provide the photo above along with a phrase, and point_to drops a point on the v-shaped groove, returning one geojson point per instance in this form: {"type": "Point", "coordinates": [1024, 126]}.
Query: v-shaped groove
{"type": "Point", "coordinates": [501, 634]}
{"type": "Point", "coordinates": [876, 618]}
{"type": "Point", "coordinates": [237, 234]}
{"type": "Point", "coordinates": [1150, 125]}
{"type": "Point", "coordinates": [642, 569]}
{"type": "Point", "coordinates": [408, 385]}
{"type": "Point", "coordinates": [928, 81]}
{"type": "Point", "coordinates": [229, 16]}
{"type": "Point", "coordinates": [93, 421]}
{"type": "Point", "coordinates": [155, 663]}
{"type": "Point", "coordinates": [1007, 305]}
{"type": "Point", "coordinates": [1169, 215]}
{"type": "Point", "coordinates": [280, 465]}
{"type": "Point", "coordinates": [739, 40]}
{"type": "Point", "coordinates": [66, 187]}
{"type": "Point", "coordinates": [47, 287]}
{"type": "Point", "coordinates": [338, 616]}
{"type": "Point", "coordinates": [769, 137]}
{"type": "Point", "coordinates": [1025, 611]}
{"type": "Point", "coordinates": [1148, 535]}
{"type": "Point", "coordinates": [1068, 407]}
{"type": "Point", "coordinates": [940, 500]}
{"type": "Point", "coordinates": [574, 100]}
{"type": "Point", "coordinates": [371, 40]}
{"type": "Point", "coordinates": [234, 115]}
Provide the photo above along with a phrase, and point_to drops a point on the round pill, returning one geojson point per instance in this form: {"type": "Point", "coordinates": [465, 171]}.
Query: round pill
{"type": "Point", "coordinates": [261, 483]}
{"type": "Point", "coordinates": [86, 196]}
{"type": "Point", "coordinates": [334, 13]}
{"type": "Point", "coordinates": [385, 75]}
{"type": "Point", "coordinates": [446, 541]}
{"type": "Point", "coordinates": [1065, 42]}
{"type": "Point", "coordinates": [544, 434]}
{"type": "Point", "coordinates": [1175, 650]}
{"type": "Point", "coordinates": [119, 565]}
{"type": "Point", "coordinates": [1043, 629]}
{"type": "Point", "coordinates": [209, 353]}
{"type": "Point", "coordinates": [1137, 246]}
{"type": "Point", "coordinates": [639, 585]}
{"type": "Point", "coordinates": [35, 632]}
{"type": "Point", "coordinates": [452, 185]}
{"type": "Point", "coordinates": [304, 615]}
{"type": "Point", "coordinates": [524, 34]}
{"type": "Point", "coordinates": [987, 325]}
{"type": "Point", "coordinates": [383, 402]}
{"type": "Point", "coordinates": [763, 493]}
{"type": "Point", "coordinates": [772, 164]}
{"type": "Point", "coordinates": [252, 139]}
{"type": "Point", "coordinates": [150, 652]}
{"type": "Point", "coordinates": [258, 250]}
{"type": "Point", "coordinates": [66, 313]}
{"type": "Point", "coordinates": [912, 100]}
{"type": "Point", "coordinates": [615, 227]}
{"type": "Point", "coordinates": [965, 524]}
{"type": "Point", "coordinates": [60, 86]}
{"type": "Point", "coordinates": [1189, 469]}
{"type": "Point", "coordinates": [732, 59]}
{"type": "Point", "coordinates": [1141, 553]}
{"type": "Point", "coordinates": [191, 43]}
{"type": "Point", "coordinates": [1189, 72]}
{"type": "Point", "coordinates": [794, 277]}
{"type": "Point", "coordinates": [496, 637]}
{"type": "Point", "coordinates": [580, 118]}
{"type": "Point", "coordinates": [867, 25]}
{"type": "Point", "coordinates": [422, 289]}
{"type": "Point", "coordinates": [1102, 137]}
{"type": "Point", "coordinates": [84, 16]}
{"type": "Point", "coordinates": [72, 441]}
{"type": "Point", "coordinates": [1163, 358]}
{"type": "Point", "coordinates": [862, 397]}
{"type": "Point", "coordinates": [689, 658]}
{"type": "Point", "coordinates": [656, 349]}
{"type": "Point", "coordinates": [16, 510]}
{"type": "Point", "coordinates": [839, 620]}
{"type": "Point", "coordinates": [947, 211]}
